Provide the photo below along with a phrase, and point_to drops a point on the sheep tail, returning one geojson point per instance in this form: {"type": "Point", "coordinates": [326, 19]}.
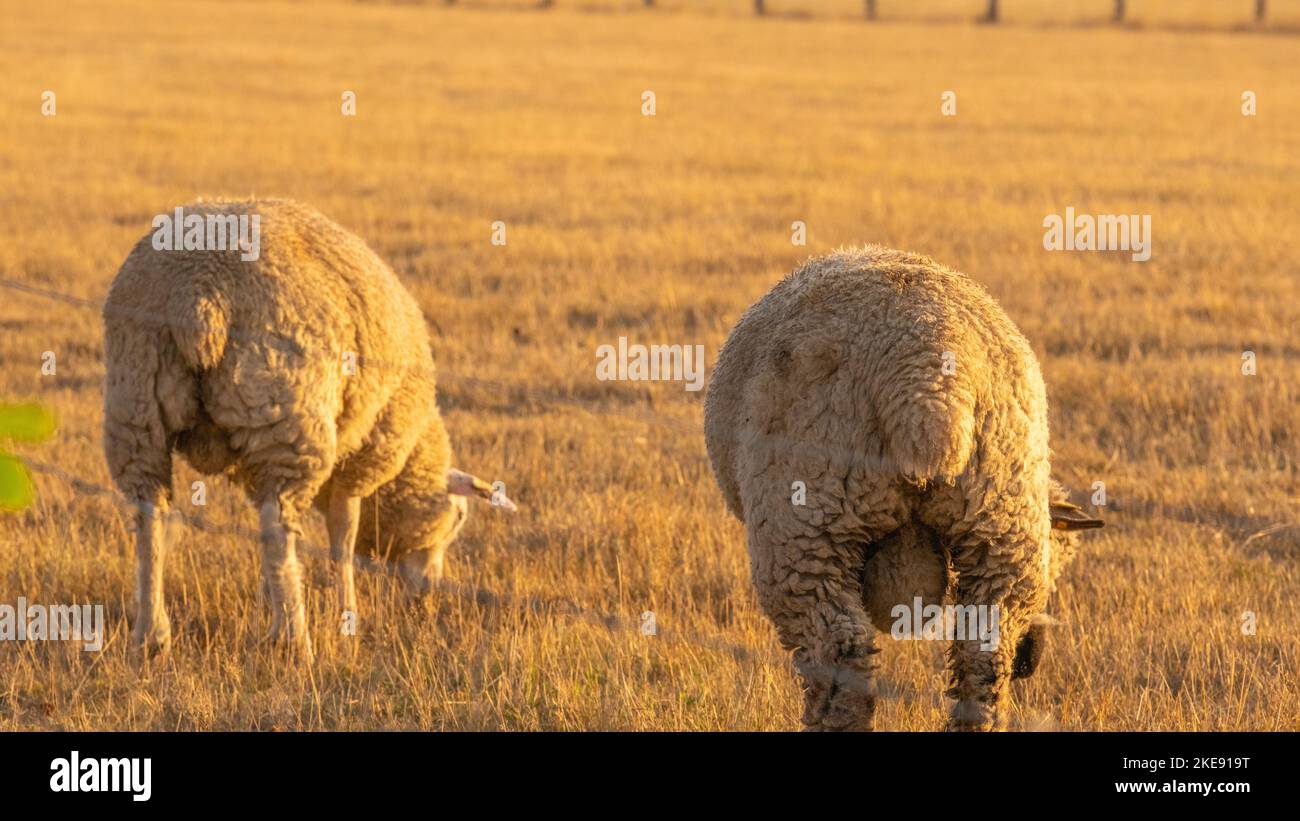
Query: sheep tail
{"type": "Point", "coordinates": [199, 320]}
{"type": "Point", "coordinates": [927, 413]}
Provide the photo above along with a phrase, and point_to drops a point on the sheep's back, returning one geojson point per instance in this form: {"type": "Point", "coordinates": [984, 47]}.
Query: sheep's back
{"type": "Point", "coordinates": [316, 332]}
{"type": "Point", "coordinates": [837, 374]}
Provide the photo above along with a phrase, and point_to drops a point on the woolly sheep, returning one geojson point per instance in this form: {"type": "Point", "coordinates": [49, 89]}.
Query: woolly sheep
{"type": "Point", "coordinates": [914, 412]}
{"type": "Point", "coordinates": [243, 367]}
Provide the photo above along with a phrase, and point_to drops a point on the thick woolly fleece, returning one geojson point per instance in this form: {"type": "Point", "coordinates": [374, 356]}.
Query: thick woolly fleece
{"type": "Point", "coordinates": [914, 412]}
{"type": "Point", "coordinates": [246, 368]}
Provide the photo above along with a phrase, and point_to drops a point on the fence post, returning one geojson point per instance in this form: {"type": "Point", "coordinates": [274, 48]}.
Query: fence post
{"type": "Point", "coordinates": [871, 9]}
{"type": "Point", "coordinates": [992, 15]}
{"type": "Point", "coordinates": [758, 7]}
{"type": "Point", "coordinates": [1119, 12]}
{"type": "Point", "coordinates": [1261, 6]}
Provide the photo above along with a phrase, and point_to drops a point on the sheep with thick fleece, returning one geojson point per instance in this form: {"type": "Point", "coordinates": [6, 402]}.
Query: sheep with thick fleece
{"type": "Point", "coordinates": [914, 413]}
{"type": "Point", "coordinates": [306, 376]}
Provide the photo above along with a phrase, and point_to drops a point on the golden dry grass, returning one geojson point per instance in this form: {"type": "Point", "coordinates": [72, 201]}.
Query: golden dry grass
{"type": "Point", "coordinates": [663, 230]}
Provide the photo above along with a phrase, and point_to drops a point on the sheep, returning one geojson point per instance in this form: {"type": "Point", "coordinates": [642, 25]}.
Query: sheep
{"type": "Point", "coordinates": [914, 414]}
{"type": "Point", "coordinates": [305, 375]}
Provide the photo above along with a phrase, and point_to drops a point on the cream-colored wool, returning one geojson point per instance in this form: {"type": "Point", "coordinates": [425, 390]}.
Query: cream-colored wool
{"type": "Point", "coordinates": [245, 368]}
{"type": "Point", "coordinates": [920, 479]}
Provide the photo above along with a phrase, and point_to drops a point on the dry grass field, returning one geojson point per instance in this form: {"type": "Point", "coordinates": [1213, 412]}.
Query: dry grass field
{"type": "Point", "coordinates": [663, 229]}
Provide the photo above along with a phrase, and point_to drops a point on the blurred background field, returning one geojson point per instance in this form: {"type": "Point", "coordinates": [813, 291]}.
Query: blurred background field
{"type": "Point", "coordinates": [663, 229]}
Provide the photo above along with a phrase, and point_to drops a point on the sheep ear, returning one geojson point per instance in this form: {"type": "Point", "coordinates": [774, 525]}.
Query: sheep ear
{"type": "Point", "coordinates": [1069, 516]}
{"type": "Point", "coordinates": [467, 484]}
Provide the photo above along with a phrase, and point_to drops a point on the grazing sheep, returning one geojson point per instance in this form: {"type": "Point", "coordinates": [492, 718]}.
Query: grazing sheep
{"type": "Point", "coordinates": [306, 376]}
{"type": "Point", "coordinates": [914, 414]}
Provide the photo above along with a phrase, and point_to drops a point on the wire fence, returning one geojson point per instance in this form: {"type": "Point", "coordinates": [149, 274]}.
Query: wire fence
{"type": "Point", "coordinates": [1256, 12]}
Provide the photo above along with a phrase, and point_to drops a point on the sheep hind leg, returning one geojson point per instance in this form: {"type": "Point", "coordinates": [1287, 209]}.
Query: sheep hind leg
{"type": "Point", "coordinates": [282, 575]}
{"type": "Point", "coordinates": [980, 669]}
{"type": "Point", "coordinates": [811, 588]}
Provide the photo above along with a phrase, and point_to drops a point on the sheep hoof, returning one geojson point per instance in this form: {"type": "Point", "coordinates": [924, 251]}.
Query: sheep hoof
{"type": "Point", "coordinates": [970, 716]}
{"type": "Point", "coordinates": [861, 723]}
{"type": "Point", "coordinates": [840, 699]}
{"type": "Point", "coordinates": [298, 649]}
{"type": "Point", "coordinates": [291, 635]}
{"type": "Point", "coordinates": [154, 641]}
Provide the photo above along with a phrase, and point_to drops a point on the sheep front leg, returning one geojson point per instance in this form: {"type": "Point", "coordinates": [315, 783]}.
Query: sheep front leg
{"type": "Point", "coordinates": [282, 576]}
{"type": "Point", "coordinates": [342, 520]}
{"type": "Point", "coordinates": [153, 630]}
{"type": "Point", "coordinates": [811, 588]}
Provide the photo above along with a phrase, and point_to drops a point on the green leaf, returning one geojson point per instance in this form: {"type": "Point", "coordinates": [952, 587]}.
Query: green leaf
{"type": "Point", "coordinates": [15, 484]}
{"type": "Point", "coordinates": [28, 422]}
